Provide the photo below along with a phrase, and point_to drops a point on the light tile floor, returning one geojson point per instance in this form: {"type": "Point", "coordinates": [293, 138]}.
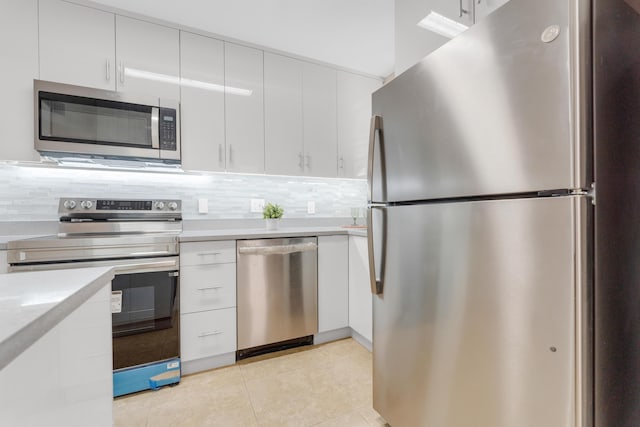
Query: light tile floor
{"type": "Point", "coordinates": [327, 385]}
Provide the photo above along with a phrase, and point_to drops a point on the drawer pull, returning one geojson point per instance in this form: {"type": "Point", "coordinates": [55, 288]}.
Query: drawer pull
{"type": "Point", "coordinates": [209, 253]}
{"type": "Point", "coordinates": [210, 288]}
{"type": "Point", "coordinates": [207, 334]}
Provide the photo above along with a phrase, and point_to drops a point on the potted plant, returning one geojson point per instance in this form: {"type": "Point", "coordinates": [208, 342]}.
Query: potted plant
{"type": "Point", "coordinates": [272, 214]}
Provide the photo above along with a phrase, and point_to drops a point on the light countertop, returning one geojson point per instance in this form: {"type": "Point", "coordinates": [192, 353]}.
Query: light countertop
{"type": "Point", "coordinates": [262, 233]}
{"type": "Point", "coordinates": [237, 233]}
{"type": "Point", "coordinates": [32, 303]}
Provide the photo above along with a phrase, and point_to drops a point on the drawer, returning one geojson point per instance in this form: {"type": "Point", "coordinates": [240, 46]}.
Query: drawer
{"type": "Point", "coordinates": [208, 333]}
{"type": "Point", "coordinates": [207, 287]}
{"type": "Point", "coordinates": [199, 253]}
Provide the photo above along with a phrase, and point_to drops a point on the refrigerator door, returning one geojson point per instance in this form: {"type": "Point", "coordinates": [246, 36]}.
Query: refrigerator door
{"type": "Point", "coordinates": [476, 322]}
{"type": "Point", "coordinates": [496, 110]}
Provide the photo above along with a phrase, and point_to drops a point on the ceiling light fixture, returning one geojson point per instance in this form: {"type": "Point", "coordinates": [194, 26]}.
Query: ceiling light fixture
{"type": "Point", "coordinates": [165, 78]}
{"type": "Point", "coordinates": [441, 25]}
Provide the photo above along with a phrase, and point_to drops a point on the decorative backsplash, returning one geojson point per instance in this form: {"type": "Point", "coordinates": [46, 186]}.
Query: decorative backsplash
{"type": "Point", "coordinates": [31, 193]}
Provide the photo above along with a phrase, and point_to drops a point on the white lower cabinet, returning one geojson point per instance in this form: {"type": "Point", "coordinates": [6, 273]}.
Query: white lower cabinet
{"type": "Point", "coordinates": [65, 378]}
{"type": "Point", "coordinates": [3, 262]}
{"type": "Point", "coordinates": [208, 333]}
{"type": "Point", "coordinates": [333, 283]}
{"type": "Point", "coordinates": [207, 305]}
{"type": "Point", "coordinates": [360, 299]}
{"type": "Point", "coordinates": [207, 287]}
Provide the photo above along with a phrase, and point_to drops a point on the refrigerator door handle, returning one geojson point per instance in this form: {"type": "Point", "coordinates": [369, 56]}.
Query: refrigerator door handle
{"type": "Point", "coordinates": [376, 127]}
{"type": "Point", "coordinates": [376, 265]}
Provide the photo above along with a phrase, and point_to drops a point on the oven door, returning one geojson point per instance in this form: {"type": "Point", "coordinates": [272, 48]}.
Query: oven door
{"type": "Point", "coordinates": [145, 311]}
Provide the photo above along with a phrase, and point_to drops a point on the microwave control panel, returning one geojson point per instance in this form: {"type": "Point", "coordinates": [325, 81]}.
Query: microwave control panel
{"type": "Point", "coordinates": [168, 131]}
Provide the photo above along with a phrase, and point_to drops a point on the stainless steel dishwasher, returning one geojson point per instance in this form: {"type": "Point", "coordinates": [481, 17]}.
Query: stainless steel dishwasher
{"type": "Point", "coordinates": [277, 293]}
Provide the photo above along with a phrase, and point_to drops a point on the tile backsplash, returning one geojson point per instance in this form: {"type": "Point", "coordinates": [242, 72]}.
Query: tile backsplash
{"type": "Point", "coordinates": [31, 193]}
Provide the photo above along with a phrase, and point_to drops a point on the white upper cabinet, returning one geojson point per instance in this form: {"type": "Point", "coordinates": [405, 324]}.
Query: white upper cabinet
{"type": "Point", "coordinates": [284, 151]}
{"type": "Point", "coordinates": [319, 120]}
{"type": "Point", "coordinates": [19, 56]}
{"type": "Point", "coordinates": [354, 115]}
{"type": "Point", "coordinates": [202, 103]}
{"type": "Point", "coordinates": [244, 108]}
{"type": "Point", "coordinates": [458, 10]}
{"type": "Point", "coordinates": [148, 58]}
{"type": "Point", "coordinates": [485, 7]}
{"type": "Point", "coordinates": [77, 45]}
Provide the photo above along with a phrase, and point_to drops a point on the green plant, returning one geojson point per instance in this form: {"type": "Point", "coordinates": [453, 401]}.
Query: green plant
{"type": "Point", "coordinates": [272, 210]}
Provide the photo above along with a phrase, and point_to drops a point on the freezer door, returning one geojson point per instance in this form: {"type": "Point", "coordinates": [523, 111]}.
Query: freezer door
{"type": "Point", "coordinates": [482, 314]}
{"type": "Point", "coordinates": [496, 110]}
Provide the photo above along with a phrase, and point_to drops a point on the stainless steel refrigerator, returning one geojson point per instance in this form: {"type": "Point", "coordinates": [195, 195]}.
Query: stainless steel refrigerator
{"type": "Point", "coordinates": [504, 288]}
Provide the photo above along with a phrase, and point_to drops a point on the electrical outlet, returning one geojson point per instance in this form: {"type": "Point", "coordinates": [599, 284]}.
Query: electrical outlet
{"type": "Point", "coordinates": [311, 207]}
{"type": "Point", "coordinates": [203, 206]}
{"type": "Point", "coordinates": [257, 205]}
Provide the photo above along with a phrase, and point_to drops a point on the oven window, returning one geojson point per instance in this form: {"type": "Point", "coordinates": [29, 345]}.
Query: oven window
{"type": "Point", "coordinates": [94, 121]}
{"type": "Point", "coordinates": [146, 328]}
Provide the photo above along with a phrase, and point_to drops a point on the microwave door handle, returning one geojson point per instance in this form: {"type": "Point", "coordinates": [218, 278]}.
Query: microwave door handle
{"type": "Point", "coordinates": [155, 134]}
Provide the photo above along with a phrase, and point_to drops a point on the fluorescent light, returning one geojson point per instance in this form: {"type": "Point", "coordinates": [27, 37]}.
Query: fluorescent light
{"type": "Point", "coordinates": [165, 78]}
{"type": "Point", "coordinates": [442, 25]}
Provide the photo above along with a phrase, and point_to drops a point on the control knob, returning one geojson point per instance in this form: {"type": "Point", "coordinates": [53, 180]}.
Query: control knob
{"type": "Point", "coordinates": [86, 204]}
{"type": "Point", "coordinates": [173, 206]}
{"type": "Point", "coordinates": [69, 204]}
{"type": "Point", "coordinates": [159, 205]}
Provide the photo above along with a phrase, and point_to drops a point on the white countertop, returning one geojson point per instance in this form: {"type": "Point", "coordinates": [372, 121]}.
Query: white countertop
{"type": "Point", "coordinates": [237, 233]}
{"type": "Point", "coordinates": [262, 233]}
{"type": "Point", "coordinates": [32, 303]}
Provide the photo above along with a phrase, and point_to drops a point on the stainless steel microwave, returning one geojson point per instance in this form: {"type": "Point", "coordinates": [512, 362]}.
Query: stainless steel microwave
{"type": "Point", "coordinates": [104, 124]}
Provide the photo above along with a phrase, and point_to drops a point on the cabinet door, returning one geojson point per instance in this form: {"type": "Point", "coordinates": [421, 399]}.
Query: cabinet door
{"type": "Point", "coordinates": [207, 287]}
{"type": "Point", "coordinates": [202, 102]}
{"type": "Point", "coordinates": [77, 45]}
{"type": "Point", "coordinates": [244, 108]}
{"type": "Point", "coordinates": [148, 58]}
{"type": "Point", "coordinates": [458, 10]}
{"type": "Point", "coordinates": [3, 262]}
{"type": "Point", "coordinates": [19, 53]}
{"type": "Point", "coordinates": [319, 119]}
{"type": "Point", "coordinates": [333, 282]}
{"type": "Point", "coordinates": [485, 7]}
{"type": "Point", "coordinates": [354, 114]}
{"type": "Point", "coordinates": [360, 299]}
{"type": "Point", "coordinates": [208, 333]}
{"type": "Point", "coordinates": [283, 115]}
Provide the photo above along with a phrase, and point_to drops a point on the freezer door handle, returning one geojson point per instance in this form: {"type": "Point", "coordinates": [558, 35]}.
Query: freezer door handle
{"type": "Point", "coordinates": [376, 128]}
{"type": "Point", "coordinates": [377, 238]}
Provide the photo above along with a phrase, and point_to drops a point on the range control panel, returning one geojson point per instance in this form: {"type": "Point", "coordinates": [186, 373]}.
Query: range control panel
{"type": "Point", "coordinates": [114, 208]}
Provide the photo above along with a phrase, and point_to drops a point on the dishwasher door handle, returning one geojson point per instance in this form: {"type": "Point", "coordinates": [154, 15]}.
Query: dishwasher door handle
{"type": "Point", "coordinates": [277, 249]}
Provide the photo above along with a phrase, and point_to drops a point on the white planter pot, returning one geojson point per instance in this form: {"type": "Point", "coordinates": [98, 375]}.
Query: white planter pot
{"type": "Point", "coordinates": [272, 223]}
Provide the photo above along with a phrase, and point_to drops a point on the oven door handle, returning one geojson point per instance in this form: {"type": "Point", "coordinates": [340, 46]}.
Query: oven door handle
{"type": "Point", "coordinates": [127, 268]}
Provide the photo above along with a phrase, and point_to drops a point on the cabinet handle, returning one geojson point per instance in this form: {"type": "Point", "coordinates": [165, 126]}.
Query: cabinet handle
{"type": "Point", "coordinates": [230, 153]}
{"type": "Point", "coordinates": [462, 10]}
{"type": "Point", "coordinates": [219, 153]}
{"type": "Point", "coordinates": [210, 288]}
{"type": "Point", "coordinates": [300, 160]}
{"type": "Point", "coordinates": [209, 253]}
{"type": "Point", "coordinates": [307, 161]}
{"type": "Point", "coordinates": [206, 334]}
{"type": "Point", "coordinates": [108, 70]}
{"type": "Point", "coordinates": [121, 67]}
{"type": "Point", "coordinates": [341, 163]}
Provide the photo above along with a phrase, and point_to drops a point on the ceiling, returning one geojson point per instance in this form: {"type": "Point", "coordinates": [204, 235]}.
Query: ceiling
{"type": "Point", "coordinates": [355, 34]}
